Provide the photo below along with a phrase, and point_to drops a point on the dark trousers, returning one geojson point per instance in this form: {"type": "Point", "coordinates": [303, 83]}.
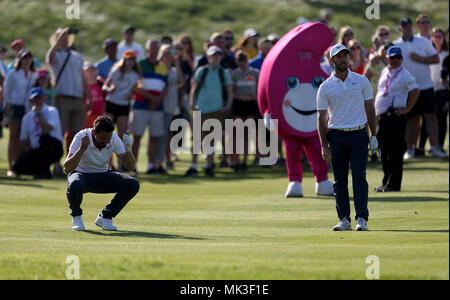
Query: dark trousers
{"type": "Point", "coordinates": [350, 149]}
{"type": "Point", "coordinates": [441, 100]}
{"type": "Point", "coordinates": [37, 161]}
{"type": "Point", "coordinates": [125, 187]}
{"type": "Point", "coordinates": [391, 139]}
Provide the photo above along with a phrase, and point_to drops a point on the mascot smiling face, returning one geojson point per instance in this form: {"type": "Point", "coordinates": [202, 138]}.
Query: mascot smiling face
{"type": "Point", "coordinates": [290, 77]}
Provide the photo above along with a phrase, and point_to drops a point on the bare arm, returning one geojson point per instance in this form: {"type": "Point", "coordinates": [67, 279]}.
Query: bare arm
{"type": "Point", "coordinates": [127, 160]}
{"type": "Point", "coordinates": [434, 59]}
{"type": "Point", "coordinates": [229, 102]}
{"type": "Point", "coordinates": [322, 126]}
{"type": "Point", "coordinates": [371, 116]}
{"type": "Point", "coordinates": [50, 58]}
{"type": "Point", "coordinates": [73, 160]}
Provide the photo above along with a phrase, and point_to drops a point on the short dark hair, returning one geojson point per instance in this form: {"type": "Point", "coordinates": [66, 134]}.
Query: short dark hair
{"type": "Point", "coordinates": [103, 124]}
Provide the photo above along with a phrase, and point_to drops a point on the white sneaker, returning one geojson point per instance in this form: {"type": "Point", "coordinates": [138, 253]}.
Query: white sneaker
{"type": "Point", "coordinates": [324, 188]}
{"type": "Point", "coordinates": [437, 152]}
{"type": "Point", "coordinates": [410, 153]}
{"type": "Point", "coordinates": [294, 189]}
{"type": "Point", "coordinates": [77, 223]}
{"type": "Point", "coordinates": [361, 225]}
{"type": "Point", "coordinates": [343, 225]}
{"type": "Point", "coordinates": [105, 224]}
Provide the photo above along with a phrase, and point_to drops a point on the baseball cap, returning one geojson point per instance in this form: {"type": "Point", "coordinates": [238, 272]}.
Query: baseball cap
{"type": "Point", "coordinates": [36, 91]}
{"type": "Point", "coordinates": [393, 50]}
{"type": "Point", "coordinates": [214, 36]}
{"type": "Point", "coordinates": [108, 42]}
{"type": "Point", "coordinates": [405, 21]}
{"type": "Point", "coordinates": [88, 65]}
{"type": "Point", "coordinates": [17, 43]}
{"type": "Point", "coordinates": [213, 50]}
{"type": "Point", "coordinates": [128, 54]}
{"type": "Point", "coordinates": [43, 73]}
{"type": "Point", "coordinates": [23, 53]}
{"type": "Point", "coordinates": [338, 48]}
{"type": "Point", "coordinates": [129, 28]}
{"type": "Point", "coordinates": [250, 32]}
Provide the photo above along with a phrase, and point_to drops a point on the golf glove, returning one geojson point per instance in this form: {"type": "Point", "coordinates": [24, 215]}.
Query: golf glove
{"type": "Point", "coordinates": [127, 142]}
{"type": "Point", "coordinates": [373, 143]}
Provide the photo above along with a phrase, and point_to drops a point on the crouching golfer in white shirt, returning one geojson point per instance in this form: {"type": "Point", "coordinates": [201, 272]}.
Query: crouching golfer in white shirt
{"type": "Point", "coordinates": [87, 168]}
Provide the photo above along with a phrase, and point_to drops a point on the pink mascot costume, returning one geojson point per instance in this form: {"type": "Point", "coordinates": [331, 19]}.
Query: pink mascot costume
{"type": "Point", "coordinates": [288, 83]}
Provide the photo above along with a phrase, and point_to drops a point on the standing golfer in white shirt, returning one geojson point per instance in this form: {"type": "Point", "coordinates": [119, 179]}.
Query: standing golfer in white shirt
{"type": "Point", "coordinates": [87, 169]}
{"type": "Point", "coordinates": [348, 98]}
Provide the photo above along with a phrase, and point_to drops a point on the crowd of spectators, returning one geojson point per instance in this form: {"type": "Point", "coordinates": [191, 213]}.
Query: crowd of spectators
{"type": "Point", "coordinates": [140, 87]}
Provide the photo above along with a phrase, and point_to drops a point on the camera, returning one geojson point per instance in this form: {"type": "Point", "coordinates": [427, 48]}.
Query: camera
{"type": "Point", "coordinates": [390, 111]}
{"type": "Point", "coordinates": [73, 31]}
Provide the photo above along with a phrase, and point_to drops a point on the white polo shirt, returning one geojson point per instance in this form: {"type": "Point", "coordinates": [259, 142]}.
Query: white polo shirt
{"type": "Point", "coordinates": [399, 83]}
{"type": "Point", "coordinates": [30, 128]}
{"type": "Point", "coordinates": [344, 100]}
{"type": "Point", "coordinates": [95, 160]}
{"type": "Point", "coordinates": [423, 47]}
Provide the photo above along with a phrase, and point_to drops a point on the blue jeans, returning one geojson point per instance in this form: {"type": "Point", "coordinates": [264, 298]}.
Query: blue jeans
{"type": "Point", "coordinates": [125, 187]}
{"type": "Point", "coordinates": [350, 148]}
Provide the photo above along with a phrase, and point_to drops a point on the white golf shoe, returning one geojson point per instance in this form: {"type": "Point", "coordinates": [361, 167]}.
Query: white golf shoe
{"type": "Point", "coordinates": [324, 188]}
{"type": "Point", "coordinates": [294, 189]}
{"type": "Point", "coordinates": [343, 225]}
{"type": "Point", "coordinates": [77, 223]}
{"type": "Point", "coordinates": [361, 225]}
{"type": "Point", "coordinates": [409, 154]}
{"type": "Point", "coordinates": [105, 224]}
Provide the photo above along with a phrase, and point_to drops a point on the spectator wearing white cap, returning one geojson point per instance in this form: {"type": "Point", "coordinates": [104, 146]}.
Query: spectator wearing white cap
{"type": "Point", "coordinates": [249, 43]}
{"type": "Point", "coordinates": [396, 96]}
{"type": "Point", "coordinates": [41, 129]}
{"type": "Point", "coordinates": [347, 98]}
{"type": "Point", "coordinates": [418, 54]}
{"type": "Point", "coordinates": [212, 95]}
{"type": "Point", "coordinates": [18, 83]}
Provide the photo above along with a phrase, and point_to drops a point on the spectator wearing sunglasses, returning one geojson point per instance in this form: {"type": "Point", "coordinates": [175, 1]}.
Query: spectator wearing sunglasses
{"type": "Point", "coordinates": [423, 25]}
{"type": "Point", "coordinates": [357, 61]}
{"type": "Point", "coordinates": [18, 83]}
{"type": "Point", "coordinates": [418, 54]}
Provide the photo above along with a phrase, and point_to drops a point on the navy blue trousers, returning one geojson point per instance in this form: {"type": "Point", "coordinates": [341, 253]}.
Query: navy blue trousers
{"type": "Point", "coordinates": [125, 188]}
{"type": "Point", "coordinates": [349, 149]}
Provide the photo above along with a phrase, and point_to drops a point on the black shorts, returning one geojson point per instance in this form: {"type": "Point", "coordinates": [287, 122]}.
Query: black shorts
{"type": "Point", "coordinates": [425, 104]}
{"type": "Point", "coordinates": [245, 109]}
{"type": "Point", "coordinates": [117, 110]}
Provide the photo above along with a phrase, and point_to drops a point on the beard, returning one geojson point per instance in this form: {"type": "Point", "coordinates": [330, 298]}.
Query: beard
{"type": "Point", "coordinates": [342, 67]}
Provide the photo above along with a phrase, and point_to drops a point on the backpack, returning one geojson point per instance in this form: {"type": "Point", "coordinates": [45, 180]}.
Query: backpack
{"type": "Point", "coordinates": [222, 80]}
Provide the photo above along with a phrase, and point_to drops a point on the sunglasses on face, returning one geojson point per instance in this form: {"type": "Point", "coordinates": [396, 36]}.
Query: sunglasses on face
{"type": "Point", "coordinates": [185, 42]}
{"type": "Point", "coordinates": [355, 47]}
{"type": "Point", "coordinates": [229, 38]}
{"type": "Point", "coordinates": [424, 22]}
{"type": "Point", "coordinates": [398, 56]}
{"type": "Point", "coordinates": [386, 33]}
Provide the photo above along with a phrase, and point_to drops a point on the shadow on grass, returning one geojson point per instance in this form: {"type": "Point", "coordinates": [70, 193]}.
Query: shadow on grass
{"type": "Point", "coordinates": [140, 234]}
{"type": "Point", "coordinates": [407, 199]}
{"type": "Point", "coordinates": [414, 231]}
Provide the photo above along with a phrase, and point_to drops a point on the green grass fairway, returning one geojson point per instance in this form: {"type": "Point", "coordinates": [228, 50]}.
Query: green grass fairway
{"type": "Point", "coordinates": [231, 227]}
